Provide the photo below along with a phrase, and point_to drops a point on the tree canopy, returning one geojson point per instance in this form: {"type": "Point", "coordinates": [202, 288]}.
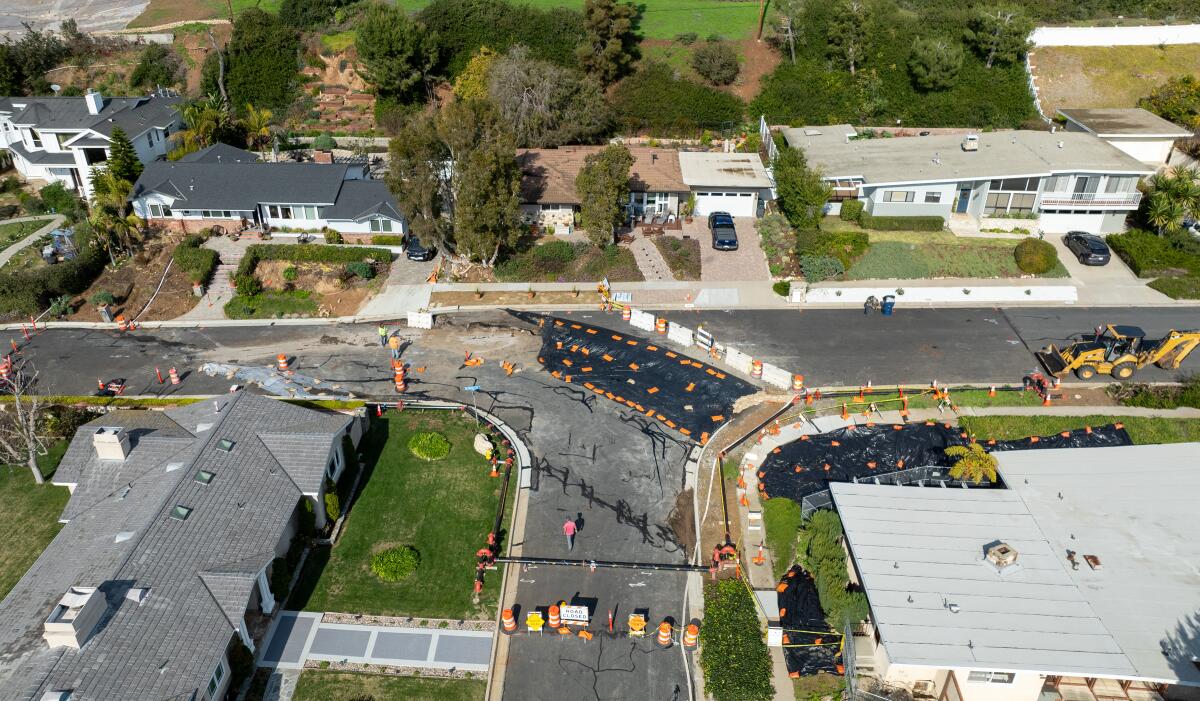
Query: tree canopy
{"type": "Point", "coordinates": [309, 14]}
{"type": "Point", "coordinates": [999, 34]}
{"type": "Point", "coordinates": [473, 81]}
{"type": "Point", "coordinates": [1177, 100]}
{"type": "Point", "coordinates": [934, 63]}
{"type": "Point", "coordinates": [716, 62]}
{"type": "Point", "coordinates": [158, 64]}
{"type": "Point", "coordinates": [800, 192]}
{"type": "Point", "coordinates": [603, 188]}
{"type": "Point", "coordinates": [656, 99]}
{"type": "Point", "coordinates": [262, 61]}
{"type": "Point", "coordinates": [463, 26]}
{"type": "Point", "coordinates": [123, 161]}
{"type": "Point", "coordinates": [544, 104]}
{"type": "Point", "coordinates": [398, 53]}
{"type": "Point", "coordinates": [610, 44]}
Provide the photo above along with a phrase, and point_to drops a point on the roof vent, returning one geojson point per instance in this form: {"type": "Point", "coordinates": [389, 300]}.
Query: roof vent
{"type": "Point", "coordinates": [74, 617]}
{"type": "Point", "coordinates": [1002, 556]}
{"type": "Point", "coordinates": [111, 443]}
{"type": "Point", "coordinates": [138, 594]}
{"type": "Point", "coordinates": [95, 102]}
{"type": "Point", "coordinates": [1060, 144]}
{"type": "Point", "coordinates": [970, 142]}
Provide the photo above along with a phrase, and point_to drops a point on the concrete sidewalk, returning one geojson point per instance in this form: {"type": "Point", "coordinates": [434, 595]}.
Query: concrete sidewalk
{"type": "Point", "coordinates": [299, 636]}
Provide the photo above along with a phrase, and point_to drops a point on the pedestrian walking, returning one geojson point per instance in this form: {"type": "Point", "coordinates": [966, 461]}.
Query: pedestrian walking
{"type": "Point", "coordinates": [383, 335]}
{"type": "Point", "coordinates": [394, 344]}
{"type": "Point", "coordinates": [569, 532]}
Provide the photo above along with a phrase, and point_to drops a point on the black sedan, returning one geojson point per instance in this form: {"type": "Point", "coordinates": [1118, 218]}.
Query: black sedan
{"type": "Point", "coordinates": [1090, 249]}
{"type": "Point", "coordinates": [415, 251]}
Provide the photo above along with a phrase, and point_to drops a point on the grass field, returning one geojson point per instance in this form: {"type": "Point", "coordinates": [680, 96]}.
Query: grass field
{"type": "Point", "coordinates": [29, 517]}
{"type": "Point", "coordinates": [1086, 76]}
{"type": "Point", "coordinates": [13, 232]}
{"type": "Point", "coordinates": [443, 508]}
{"type": "Point", "coordinates": [166, 11]}
{"type": "Point", "coordinates": [911, 255]}
{"type": "Point", "coordinates": [316, 685]}
{"type": "Point", "coordinates": [1142, 430]}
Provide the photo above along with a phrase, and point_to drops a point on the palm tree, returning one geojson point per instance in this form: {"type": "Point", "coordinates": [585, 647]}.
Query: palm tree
{"type": "Point", "coordinates": [974, 463]}
{"type": "Point", "coordinates": [204, 121]}
{"type": "Point", "coordinates": [1163, 212]}
{"type": "Point", "coordinates": [116, 227]}
{"type": "Point", "coordinates": [257, 124]}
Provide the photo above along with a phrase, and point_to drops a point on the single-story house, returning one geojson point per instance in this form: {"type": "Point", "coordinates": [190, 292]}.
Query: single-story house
{"type": "Point", "coordinates": [1077, 582]}
{"type": "Point", "coordinates": [220, 153]}
{"type": "Point", "coordinates": [253, 196]}
{"type": "Point", "coordinates": [1068, 180]}
{"type": "Point", "coordinates": [1139, 133]}
{"type": "Point", "coordinates": [163, 565]}
{"type": "Point", "coordinates": [548, 196]}
{"type": "Point", "coordinates": [726, 182]}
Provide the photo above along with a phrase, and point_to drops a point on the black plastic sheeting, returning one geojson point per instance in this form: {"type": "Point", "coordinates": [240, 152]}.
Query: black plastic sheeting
{"type": "Point", "coordinates": [689, 396]}
{"type": "Point", "coordinates": [805, 466]}
{"type": "Point", "coordinates": [809, 646]}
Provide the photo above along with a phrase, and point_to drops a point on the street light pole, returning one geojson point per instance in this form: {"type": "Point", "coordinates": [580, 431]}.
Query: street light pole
{"type": "Point", "coordinates": [473, 389]}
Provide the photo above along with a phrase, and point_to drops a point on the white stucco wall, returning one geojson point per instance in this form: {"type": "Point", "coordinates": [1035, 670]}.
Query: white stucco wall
{"type": "Point", "coordinates": [1147, 150]}
{"type": "Point", "coordinates": [1116, 36]}
{"type": "Point", "coordinates": [918, 207]}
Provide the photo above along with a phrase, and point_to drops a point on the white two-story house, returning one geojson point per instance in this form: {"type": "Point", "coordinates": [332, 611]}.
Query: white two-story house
{"type": "Point", "coordinates": [60, 139]}
{"type": "Point", "coordinates": [1066, 180]}
{"type": "Point", "coordinates": [253, 197]}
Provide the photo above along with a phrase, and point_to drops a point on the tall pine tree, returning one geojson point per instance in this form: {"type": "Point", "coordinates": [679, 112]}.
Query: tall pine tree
{"type": "Point", "coordinates": [122, 159]}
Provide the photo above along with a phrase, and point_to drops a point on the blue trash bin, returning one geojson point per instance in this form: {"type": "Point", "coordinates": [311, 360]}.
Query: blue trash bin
{"type": "Point", "coordinates": [889, 303]}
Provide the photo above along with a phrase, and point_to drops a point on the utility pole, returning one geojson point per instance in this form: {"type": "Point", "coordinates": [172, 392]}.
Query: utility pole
{"type": "Point", "coordinates": [762, 13]}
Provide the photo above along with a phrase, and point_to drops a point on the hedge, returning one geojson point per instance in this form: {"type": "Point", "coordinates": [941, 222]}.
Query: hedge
{"type": "Point", "coordinates": [387, 240]}
{"type": "Point", "coordinates": [886, 223]}
{"type": "Point", "coordinates": [309, 253]}
{"type": "Point", "coordinates": [826, 560]}
{"type": "Point", "coordinates": [199, 263]}
{"type": "Point", "coordinates": [737, 665]}
{"type": "Point", "coordinates": [1150, 255]}
{"type": "Point", "coordinates": [1035, 256]}
{"type": "Point", "coordinates": [655, 99]}
{"type": "Point", "coordinates": [851, 210]}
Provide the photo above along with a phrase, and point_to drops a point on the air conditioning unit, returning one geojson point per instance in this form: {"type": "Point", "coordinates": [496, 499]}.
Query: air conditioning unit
{"type": "Point", "coordinates": [970, 143]}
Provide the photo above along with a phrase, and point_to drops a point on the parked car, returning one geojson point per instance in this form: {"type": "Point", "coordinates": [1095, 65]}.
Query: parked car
{"type": "Point", "coordinates": [1090, 249]}
{"type": "Point", "coordinates": [415, 251]}
{"type": "Point", "coordinates": [724, 234]}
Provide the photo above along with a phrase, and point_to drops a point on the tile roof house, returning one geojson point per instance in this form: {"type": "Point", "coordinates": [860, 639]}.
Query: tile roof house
{"type": "Point", "coordinates": [60, 139]}
{"type": "Point", "coordinates": [191, 195]}
{"type": "Point", "coordinates": [173, 521]}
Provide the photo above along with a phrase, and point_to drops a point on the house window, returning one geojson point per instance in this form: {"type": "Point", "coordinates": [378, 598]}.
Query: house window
{"type": "Point", "coordinates": [217, 214]}
{"type": "Point", "coordinates": [37, 138]}
{"type": "Point", "coordinates": [62, 140]}
{"type": "Point", "coordinates": [150, 138]}
{"type": "Point", "coordinates": [278, 212]}
{"type": "Point", "coordinates": [1122, 184]}
{"type": "Point", "coordinates": [980, 677]}
{"type": "Point", "coordinates": [1016, 184]}
{"type": "Point", "coordinates": [160, 210]}
{"type": "Point", "coordinates": [1057, 183]}
{"type": "Point", "coordinates": [899, 196]}
{"type": "Point", "coordinates": [933, 197]}
{"type": "Point", "coordinates": [214, 682]}
{"type": "Point", "coordinates": [381, 225]}
{"type": "Point", "coordinates": [1002, 202]}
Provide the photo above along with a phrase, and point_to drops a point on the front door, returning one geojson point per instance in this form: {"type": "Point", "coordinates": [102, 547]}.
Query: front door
{"type": "Point", "coordinates": [964, 200]}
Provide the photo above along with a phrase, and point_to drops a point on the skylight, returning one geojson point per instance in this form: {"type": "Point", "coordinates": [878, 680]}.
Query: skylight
{"type": "Point", "coordinates": [205, 477]}
{"type": "Point", "coordinates": [180, 512]}
{"type": "Point", "coordinates": [225, 444]}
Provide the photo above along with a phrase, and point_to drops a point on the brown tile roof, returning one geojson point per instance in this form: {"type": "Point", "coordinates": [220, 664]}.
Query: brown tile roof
{"type": "Point", "coordinates": [549, 173]}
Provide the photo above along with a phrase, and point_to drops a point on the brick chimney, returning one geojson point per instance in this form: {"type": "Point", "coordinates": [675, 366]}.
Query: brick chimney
{"type": "Point", "coordinates": [322, 156]}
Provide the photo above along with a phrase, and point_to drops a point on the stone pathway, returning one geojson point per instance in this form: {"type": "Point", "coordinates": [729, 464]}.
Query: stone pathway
{"type": "Point", "coordinates": [654, 268]}
{"type": "Point", "coordinates": [299, 636]}
{"type": "Point", "coordinates": [220, 288]}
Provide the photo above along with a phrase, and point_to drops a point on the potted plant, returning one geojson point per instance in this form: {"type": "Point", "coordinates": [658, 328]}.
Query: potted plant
{"type": "Point", "coordinates": [103, 300]}
{"type": "Point", "coordinates": [689, 208]}
{"type": "Point", "coordinates": [478, 293]}
{"type": "Point", "coordinates": [531, 293]}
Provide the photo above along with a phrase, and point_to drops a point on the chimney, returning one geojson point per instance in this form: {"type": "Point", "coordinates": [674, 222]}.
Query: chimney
{"type": "Point", "coordinates": [74, 617]}
{"type": "Point", "coordinates": [322, 156]}
{"type": "Point", "coordinates": [1002, 556]}
{"type": "Point", "coordinates": [111, 443]}
{"type": "Point", "coordinates": [95, 102]}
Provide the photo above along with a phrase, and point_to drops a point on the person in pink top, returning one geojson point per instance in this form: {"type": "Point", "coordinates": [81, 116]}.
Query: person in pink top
{"type": "Point", "coordinates": [569, 531]}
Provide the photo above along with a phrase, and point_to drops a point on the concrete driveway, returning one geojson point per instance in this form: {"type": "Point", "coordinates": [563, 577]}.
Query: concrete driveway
{"type": "Point", "coordinates": [748, 263]}
{"type": "Point", "coordinates": [1113, 283]}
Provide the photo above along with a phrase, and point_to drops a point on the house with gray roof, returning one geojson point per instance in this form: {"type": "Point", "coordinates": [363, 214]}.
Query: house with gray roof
{"type": "Point", "coordinates": [60, 139]}
{"type": "Point", "coordinates": [1138, 132]}
{"type": "Point", "coordinates": [220, 153]}
{"type": "Point", "coordinates": [190, 195]}
{"type": "Point", "coordinates": [162, 566]}
{"type": "Point", "coordinates": [1067, 180]}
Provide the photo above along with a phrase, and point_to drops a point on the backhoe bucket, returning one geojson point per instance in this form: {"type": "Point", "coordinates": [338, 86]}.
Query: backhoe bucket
{"type": "Point", "coordinates": [1052, 360]}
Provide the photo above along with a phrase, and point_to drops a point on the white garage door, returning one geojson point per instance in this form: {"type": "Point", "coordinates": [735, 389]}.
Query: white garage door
{"type": "Point", "coordinates": [1060, 223]}
{"type": "Point", "coordinates": [739, 204]}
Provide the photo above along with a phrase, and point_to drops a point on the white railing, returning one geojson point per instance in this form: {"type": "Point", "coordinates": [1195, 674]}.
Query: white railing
{"type": "Point", "coordinates": [1097, 199]}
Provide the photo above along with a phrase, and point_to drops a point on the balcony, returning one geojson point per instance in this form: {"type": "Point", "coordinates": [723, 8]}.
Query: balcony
{"type": "Point", "coordinates": [1095, 200]}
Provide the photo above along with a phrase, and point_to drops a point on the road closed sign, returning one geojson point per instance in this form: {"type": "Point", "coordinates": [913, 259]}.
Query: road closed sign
{"type": "Point", "coordinates": [575, 614]}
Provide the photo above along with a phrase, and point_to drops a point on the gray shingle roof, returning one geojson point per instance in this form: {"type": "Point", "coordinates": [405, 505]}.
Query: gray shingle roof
{"type": "Point", "coordinates": [200, 571]}
{"type": "Point", "coordinates": [241, 186]}
{"type": "Point", "coordinates": [360, 199]}
{"type": "Point", "coordinates": [133, 114]}
{"type": "Point", "coordinates": [46, 158]}
{"type": "Point", "coordinates": [220, 153]}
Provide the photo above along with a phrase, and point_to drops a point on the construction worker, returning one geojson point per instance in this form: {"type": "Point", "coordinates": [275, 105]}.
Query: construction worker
{"type": "Point", "coordinates": [394, 344]}
{"type": "Point", "coordinates": [383, 335]}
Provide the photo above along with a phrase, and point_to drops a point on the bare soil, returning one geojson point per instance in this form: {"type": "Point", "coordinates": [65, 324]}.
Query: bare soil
{"type": "Point", "coordinates": [196, 48]}
{"type": "Point", "coordinates": [466, 299]}
{"type": "Point", "coordinates": [332, 294]}
{"type": "Point", "coordinates": [134, 281]}
{"type": "Point", "coordinates": [759, 60]}
{"type": "Point", "coordinates": [1107, 76]}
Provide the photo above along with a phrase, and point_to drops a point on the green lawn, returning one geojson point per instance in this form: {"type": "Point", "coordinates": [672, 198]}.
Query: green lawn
{"type": "Point", "coordinates": [663, 19]}
{"type": "Point", "coordinates": [340, 41]}
{"type": "Point", "coordinates": [443, 508]}
{"type": "Point", "coordinates": [1141, 429]}
{"type": "Point", "coordinates": [29, 517]}
{"type": "Point", "coordinates": [270, 304]}
{"type": "Point", "coordinates": [911, 255]}
{"type": "Point", "coordinates": [316, 685]}
{"type": "Point", "coordinates": [13, 232]}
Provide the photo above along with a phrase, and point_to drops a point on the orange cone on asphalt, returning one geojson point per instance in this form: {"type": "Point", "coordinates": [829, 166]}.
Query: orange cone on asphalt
{"type": "Point", "coordinates": [174, 375]}
{"type": "Point", "coordinates": [664, 634]}
{"type": "Point", "coordinates": [689, 636]}
{"type": "Point", "coordinates": [281, 362]}
{"type": "Point", "coordinates": [555, 621]}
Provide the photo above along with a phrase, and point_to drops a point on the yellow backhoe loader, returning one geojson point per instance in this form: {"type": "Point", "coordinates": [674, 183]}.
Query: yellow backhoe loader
{"type": "Point", "coordinates": [1119, 351]}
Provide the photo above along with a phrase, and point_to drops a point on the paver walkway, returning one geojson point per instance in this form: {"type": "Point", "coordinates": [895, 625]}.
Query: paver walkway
{"type": "Point", "coordinates": [649, 260]}
{"type": "Point", "coordinates": [220, 288]}
{"type": "Point", "coordinates": [299, 636]}
{"type": "Point", "coordinates": [7, 254]}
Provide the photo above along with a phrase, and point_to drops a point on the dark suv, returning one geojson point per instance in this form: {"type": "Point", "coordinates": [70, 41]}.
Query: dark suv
{"type": "Point", "coordinates": [415, 251]}
{"type": "Point", "coordinates": [724, 235]}
{"type": "Point", "coordinates": [1090, 249]}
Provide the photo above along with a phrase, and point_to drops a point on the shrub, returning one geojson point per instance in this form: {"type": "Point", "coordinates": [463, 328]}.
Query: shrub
{"type": "Point", "coordinates": [716, 62]}
{"type": "Point", "coordinates": [361, 269]}
{"type": "Point", "coordinates": [8, 211]}
{"type": "Point", "coordinates": [199, 263]}
{"type": "Point", "coordinates": [333, 509]}
{"type": "Point", "coordinates": [821, 268]}
{"type": "Point", "coordinates": [851, 210]}
{"type": "Point", "coordinates": [1035, 256]}
{"type": "Point", "coordinates": [737, 665]}
{"type": "Point", "coordinates": [845, 246]}
{"type": "Point", "coordinates": [557, 251]}
{"type": "Point", "coordinates": [463, 27]}
{"type": "Point", "coordinates": [782, 288]}
{"type": "Point", "coordinates": [247, 285]}
{"type": "Point", "coordinates": [395, 564]}
{"type": "Point", "coordinates": [1149, 255]}
{"type": "Point", "coordinates": [656, 100]}
{"type": "Point", "coordinates": [687, 38]}
{"type": "Point", "coordinates": [387, 240]}
{"type": "Point", "coordinates": [333, 237]}
{"type": "Point", "coordinates": [58, 198]}
{"type": "Point", "coordinates": [10, 184]}
{"type": "Point", "coordinates": [309, 253]}
{"type": "Point", "coordinates": [27, 292]}
{"type": "Point", "coordinates": [1187, 394]}
{"type": "Point", "coordinates": [101, 297]}
{"type": "Point", "coordinates": [429, 445]}
{"type": "Point", "coordinates": [324, 142]}
{"type": "Point", "coordinates": [887, 223]}
{"type": "Point", "coordinates": [782, 520]}
{"type": "Point", "coordinates": [290, 273]}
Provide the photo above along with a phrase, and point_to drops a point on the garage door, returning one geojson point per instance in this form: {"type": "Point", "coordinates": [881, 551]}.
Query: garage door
{"type": "Point", "coordinates": [739, 204]}
{"type": "Point", "coordinates": [1060, 223]}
